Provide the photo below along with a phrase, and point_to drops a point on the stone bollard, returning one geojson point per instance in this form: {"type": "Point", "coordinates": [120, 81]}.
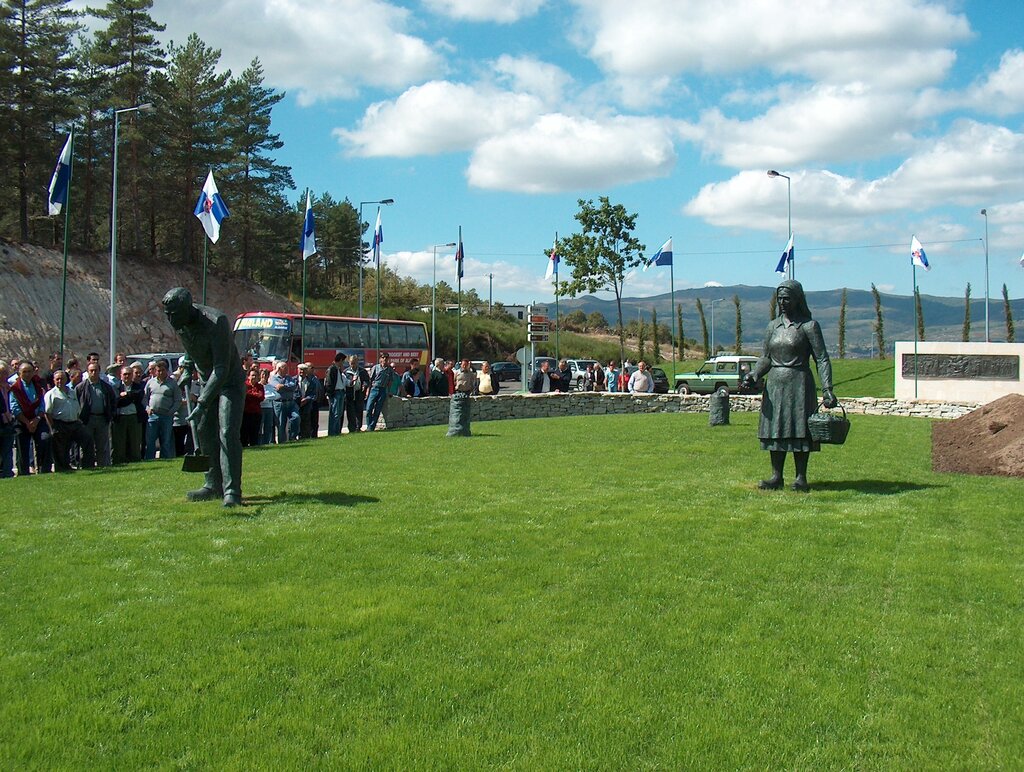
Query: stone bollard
{"type": "Point", "coordinates": [718, 413]}
{"type": "Point", "coordinates": [458, 415]}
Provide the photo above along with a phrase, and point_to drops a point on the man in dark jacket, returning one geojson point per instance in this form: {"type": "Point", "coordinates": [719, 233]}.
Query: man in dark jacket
{"type": "Point", "coordinates": [99, 403]}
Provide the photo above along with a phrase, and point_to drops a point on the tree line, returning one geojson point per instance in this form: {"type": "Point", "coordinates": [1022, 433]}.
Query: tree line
{"type": "Point", "coordinates": [55, 76]}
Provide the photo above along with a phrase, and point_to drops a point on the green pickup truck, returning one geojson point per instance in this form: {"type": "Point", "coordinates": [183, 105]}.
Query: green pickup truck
{"type": "Point", "coordinates": [723, 374]}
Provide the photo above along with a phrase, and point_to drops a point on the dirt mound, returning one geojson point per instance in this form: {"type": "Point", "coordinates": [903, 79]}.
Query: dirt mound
{"type": "Point", "coordinates": [989, 440]}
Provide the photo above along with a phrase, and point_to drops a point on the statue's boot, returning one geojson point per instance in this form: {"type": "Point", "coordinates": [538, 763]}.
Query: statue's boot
{"type": "Point", "coordinates": [774, 482]}
{"type": "Point", "coordinates": [800, 483]}
{"type": "Point", "coordinates": [203, 494]}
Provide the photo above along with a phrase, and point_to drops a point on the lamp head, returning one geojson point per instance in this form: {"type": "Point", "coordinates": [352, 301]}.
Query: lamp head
{"type": "Point", "coordinates": [984, 212]}
{"type": "Point", "coordinates": [386, 201]}
{"type": "Point", "coordinates": [772, 173]}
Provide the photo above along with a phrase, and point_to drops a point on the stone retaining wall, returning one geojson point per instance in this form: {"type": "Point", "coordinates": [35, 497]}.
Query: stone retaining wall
{"type": "Point", "coordinates": [432, 411]}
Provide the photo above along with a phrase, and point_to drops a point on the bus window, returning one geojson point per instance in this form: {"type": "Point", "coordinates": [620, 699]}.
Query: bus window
{"type": "Point", "coordinates": [337, 334]}
{"type": "Point", "coordinates": [396, 335]}
{"type": "Point", "coordinates": [316, 334]}
{"type": "Point", "coordinates": [359, 335]}
{"type": "Point", "coordinates": [263, 344]}
{"type": "Point", "coordinates": [385, 337]}
{"type": "Point", "coordinates": [416, 335]}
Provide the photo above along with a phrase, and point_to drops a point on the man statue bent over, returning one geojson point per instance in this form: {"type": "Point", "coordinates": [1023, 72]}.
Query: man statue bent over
{"type": "Point", "coordinates": [206, 335]}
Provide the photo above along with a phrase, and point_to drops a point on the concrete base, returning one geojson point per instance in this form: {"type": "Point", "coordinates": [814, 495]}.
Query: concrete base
{"type": "Point", "coordinates": [959, 372]}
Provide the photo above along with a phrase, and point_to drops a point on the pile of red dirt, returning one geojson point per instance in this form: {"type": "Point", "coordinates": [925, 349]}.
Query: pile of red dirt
{"type": "Point", "coordinates": [989, 440]}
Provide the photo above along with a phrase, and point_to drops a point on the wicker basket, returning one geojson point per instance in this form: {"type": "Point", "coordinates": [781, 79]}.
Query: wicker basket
{"type": "Point", "coordinates": [828, 428]}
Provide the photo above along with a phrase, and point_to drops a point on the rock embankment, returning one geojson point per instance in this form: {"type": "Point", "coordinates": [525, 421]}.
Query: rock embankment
{"type": "Point", "coordinates": [30, 302]}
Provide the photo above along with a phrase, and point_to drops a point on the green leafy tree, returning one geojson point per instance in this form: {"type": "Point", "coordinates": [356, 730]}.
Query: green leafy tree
{"type": "Point", "coordinates": [919, 313]}
{"type": "Point", "coordinates": [92, 143]}
{"type": "Point", "coordinates": [879, 328]}
{"type": "Point", "coordinates": [739, 324]}
{"type": "Point", "coordinates": [1008, 313]}
{"type": "Point", "coordinates": [575, 321]}
{"type": "Point", "coordinates": [842, 325]}
{"type": "Point", "coordinates": [703, 329]}
{"type": "Point", "coordinates": [596, 321]}
{"type": "Point", "coordinates": [966, 333]}
{"type": "Point", "coordinates": [601, 255]}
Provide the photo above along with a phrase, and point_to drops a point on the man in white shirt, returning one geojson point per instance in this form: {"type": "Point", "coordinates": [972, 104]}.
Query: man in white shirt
{"type": "Point", "coordinates": [61, 408]}
{"type": "Point", "coordinates": [641, 382]}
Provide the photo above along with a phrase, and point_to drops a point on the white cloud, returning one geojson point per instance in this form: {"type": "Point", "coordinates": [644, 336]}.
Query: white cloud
{"type": "Point", "coordinates": [562, 153]}
{"type": "Point", "coordinates": [973, 162]}
{"type": "Point", "coordinates": [836, 123]}
{"type": "Point", "coordinates": [880, 41]}
{"type": "Point", "coordinates": [713, 284]}
{"type": "Point", "coordinates": [1002, 92]}
{"type": "Point", "coordinates": [320, 50]}
{"type": "Point", "coordinates": [532, 76]}
{"type": "Point", "coordinates": [502, 11]}
{"type": "Point", "coordinates": [437, 117]}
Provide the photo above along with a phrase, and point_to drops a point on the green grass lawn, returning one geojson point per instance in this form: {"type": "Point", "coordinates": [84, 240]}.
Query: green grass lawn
{"type": "Point", "coordinates": [608, 592]}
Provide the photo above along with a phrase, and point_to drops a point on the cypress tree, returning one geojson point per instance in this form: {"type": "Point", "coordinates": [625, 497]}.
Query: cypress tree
{"type": "Point", "coordinates": [681, 339]}
{"type": "Point", "coordinates": [842, 325]}
{"type": "Point", "coordinates": [1008, 312]}
{"type": "Point", "coordinates": [655, 349]}
{"type": "Point", "coordinates": [966, 336]}
{"type": "Point", "coordinates": [739, 324]}
{"type": "Point", "coordinates": [703, 328]}
{"type": "Point", "coordinates": [920, 314]}
{"type": "Point", "coordinates": [879, 329]}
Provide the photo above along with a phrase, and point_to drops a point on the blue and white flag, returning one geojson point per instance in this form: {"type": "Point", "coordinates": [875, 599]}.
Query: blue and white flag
{"type": "Point", "coordinates": [210, 208]}
{"type": "Point", "coordinates": [61, 180]}
{"type": "Point", "coordinates": [459, 258]}
{"type": "Point", "coordinates": [787, 256]}
{"type": "Point", "coordinates": [308, 241]}
{"type": "Point", "coordinates": [378, 239]}
{"type": "Point", "coordinates": [663, 256]}
{"type": "Point", "coordinates": [917, 255]}
{"type": "Point", "coordinates": [1022, 260]}
{"type": "Point", "coordinates": [552, 262]}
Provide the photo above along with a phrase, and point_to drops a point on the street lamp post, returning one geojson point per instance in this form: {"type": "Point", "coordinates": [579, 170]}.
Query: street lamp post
{"type": "Point", "coordinates": [143, 108]}
{"type": "Point", "coordinates": [719, 300]}
{"type": "Point", "coordinates": [984, 213]}
{"type": "Point", "coordinates": [386, 202]}
{"type": "Point", "coordinates": [433, 304]}
{"type": "Point", "coordinates": [789, 212]}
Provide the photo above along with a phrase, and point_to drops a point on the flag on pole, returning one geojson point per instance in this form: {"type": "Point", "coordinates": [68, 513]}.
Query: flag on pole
{"type": "Point", "coordinates": [459, 257]}
{"type": "Point", "coordinates": [210, 208]}
{"type": "Point", "coordinates": [663, 256]}
{"type": "Point", "coordinates": [378, 239]}
{"type": "Point", "coordinates": [308, 241]}
{"type": "Point", "coordinates": [917, 255]}
{"type": "Point", "coordinates": [787, 256]}
{"type": "Point", "coordinates": [1022, 260]}
{"type": "Point", "coordinates": [61, 179]}
{"type": "Point", "coordinates": [552, 262]}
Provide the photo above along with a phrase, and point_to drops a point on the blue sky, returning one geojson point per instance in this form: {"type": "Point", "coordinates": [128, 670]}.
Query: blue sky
{"type": "Point", "coordinates": [892, 117]}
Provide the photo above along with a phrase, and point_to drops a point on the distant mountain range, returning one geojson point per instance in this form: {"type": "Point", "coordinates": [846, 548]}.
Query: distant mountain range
{"type": "Point", "coordinates": [943, 316]}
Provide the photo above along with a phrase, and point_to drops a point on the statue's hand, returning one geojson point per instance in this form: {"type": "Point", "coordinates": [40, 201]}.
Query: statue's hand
{"type": "Point", "coordinates": [749, 382]}
{"type": "Point", "coordinates": [197, 413]}
{"type": "Point", "coordinates": [828, 398]}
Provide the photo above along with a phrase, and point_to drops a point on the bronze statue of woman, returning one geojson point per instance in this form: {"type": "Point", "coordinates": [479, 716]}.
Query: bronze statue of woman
{"type": "Point", "coordinates": [793, 338]}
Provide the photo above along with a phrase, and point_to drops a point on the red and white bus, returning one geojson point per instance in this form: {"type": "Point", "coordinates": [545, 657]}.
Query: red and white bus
{"type": "Point", "coordinates": [270, 335]}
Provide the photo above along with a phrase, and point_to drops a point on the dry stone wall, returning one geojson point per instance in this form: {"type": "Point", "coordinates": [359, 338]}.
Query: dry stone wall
{"type": "Point", "coordinates": [432, 411]}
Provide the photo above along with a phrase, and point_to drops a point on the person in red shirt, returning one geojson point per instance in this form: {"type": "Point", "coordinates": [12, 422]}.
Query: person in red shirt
{"type": "Point", "coordinates": [252, 413]}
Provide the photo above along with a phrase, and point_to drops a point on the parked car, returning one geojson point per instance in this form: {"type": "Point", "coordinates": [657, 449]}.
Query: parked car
{"type": "Point", "coordinates": [723, 374]}
{"type": "Point", "coordinates": [578, 368]}
{"type": "Point", "coordinates": [552, 363]}
{"type": "Point", "coordinates": [661, 385]}
{"type": "Point", "coordinates": [507, 371]}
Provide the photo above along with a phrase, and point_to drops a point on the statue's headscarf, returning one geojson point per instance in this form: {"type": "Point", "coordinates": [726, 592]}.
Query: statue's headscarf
{"type": "Point", "coordinates": [798, 301]}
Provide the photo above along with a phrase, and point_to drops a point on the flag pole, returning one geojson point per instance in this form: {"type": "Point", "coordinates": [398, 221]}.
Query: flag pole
{"type": "Point", "coordinates": [913, 267]}
{"type": "Point", "coordinates": [206, 247]}
{"type": "Point", "coordinates": [302, 340]}
{"type": "Point", "coordinates": [67, 228]}
{"type": "Point", "coordinates": [458, 322]}
{"type": "Point", "coordinates": [557, 325]}
{"type": "Point", "coordinates": [377, 257]}
{"type": "Point", "coordinates": [672, 289]}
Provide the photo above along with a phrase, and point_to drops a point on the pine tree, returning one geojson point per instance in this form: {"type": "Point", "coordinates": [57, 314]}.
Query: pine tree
{"type": "Point", "coordinates": [128, 50]}
{"type": "Point", "coordinates": [1008, 313]}
{"type": "Point", "coordinates": [92, 143]}
{"type": "Point", "coordinates": [842, 325]}
{"type": "Point", "coordinates": [191, 95]}
{"type": "Point", "coordinates": [966, 336]}
{"type": "Point", "coordinates": [680, 339]}
{"type": "Point", "coordinates": [739, 324]}
{"type": "Point", "coordinates": [38, 98]}
{"type": "Point", "coordinates": [655, 349]}
{"type": "Point", "coordinates": [920, 314]}
{"type": "Point", "coordinates": [703, 328]}
{"type": "Point", "coordinates": [641, 339]}
{"type": "Point", "coordinates": [879, 329]}
{"type": "Point", "coordinates": [256, 179]}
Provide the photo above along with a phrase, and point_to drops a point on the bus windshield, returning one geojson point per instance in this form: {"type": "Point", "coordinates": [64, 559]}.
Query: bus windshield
{"type": "Point", "coordinates": [263, 337]}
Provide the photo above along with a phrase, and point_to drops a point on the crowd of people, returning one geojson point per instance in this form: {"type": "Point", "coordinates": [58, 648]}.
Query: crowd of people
{"type": "Point", "coordinates": [627, 379]}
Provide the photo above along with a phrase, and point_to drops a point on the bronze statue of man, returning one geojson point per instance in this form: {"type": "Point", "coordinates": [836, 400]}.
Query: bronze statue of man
{"type": "Point", "coordinates": [206, 335]}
